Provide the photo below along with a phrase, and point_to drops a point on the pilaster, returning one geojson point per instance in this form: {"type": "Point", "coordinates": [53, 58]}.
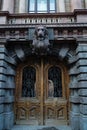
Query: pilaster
{"type": "Point", "coordinates": [8, 5]}
{"type": "Point", "coordinates": [76, 4]}
{"type": "Point", "coordinates": [22, 7]}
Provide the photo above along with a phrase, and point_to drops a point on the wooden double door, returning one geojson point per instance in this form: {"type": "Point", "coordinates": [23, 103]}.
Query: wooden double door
{"type": "Point", "coordinates": [41, 96]}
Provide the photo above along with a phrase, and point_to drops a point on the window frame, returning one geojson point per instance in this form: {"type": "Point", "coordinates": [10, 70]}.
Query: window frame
{"type": "Point", "coordinates": [48, 7]}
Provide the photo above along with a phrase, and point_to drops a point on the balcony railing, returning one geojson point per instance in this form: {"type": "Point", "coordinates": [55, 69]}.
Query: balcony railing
{"type": "Point", "coordinates": [54, 18]}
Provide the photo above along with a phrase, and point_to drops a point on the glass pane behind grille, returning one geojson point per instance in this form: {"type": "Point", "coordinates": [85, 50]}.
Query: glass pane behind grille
{"type": "Point", "coordinates": [28, 82]}
{"type": "Point", "coordinates": [54, 82]}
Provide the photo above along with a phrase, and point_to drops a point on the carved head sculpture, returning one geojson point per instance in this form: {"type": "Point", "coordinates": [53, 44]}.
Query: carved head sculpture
{"type": "Point", "coordinates": [41, 32]}
{"type": "Point", "coordinates": [40, 37]}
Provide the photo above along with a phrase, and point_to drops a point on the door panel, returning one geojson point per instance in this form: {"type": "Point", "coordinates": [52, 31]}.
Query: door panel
{"type": "Point", "coordinates": [41, 96]}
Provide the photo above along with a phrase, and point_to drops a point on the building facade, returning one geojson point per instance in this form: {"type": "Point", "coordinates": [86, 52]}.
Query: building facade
{"type": "Point", "coordinates": [43, 63]}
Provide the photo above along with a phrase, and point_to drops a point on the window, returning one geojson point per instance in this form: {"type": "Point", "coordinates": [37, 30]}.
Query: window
{"type": "Point", "coordinates": [41, 6]}
{"type": "Point", "coordinates": [28, 82]}
{"type": "Point", "coordinates": [54, 82]}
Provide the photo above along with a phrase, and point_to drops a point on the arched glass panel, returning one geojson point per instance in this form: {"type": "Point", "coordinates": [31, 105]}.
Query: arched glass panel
{"type": "Point", "coordinates": [28, 82]}
{"type": "Point", "coordinates": [54, 82]}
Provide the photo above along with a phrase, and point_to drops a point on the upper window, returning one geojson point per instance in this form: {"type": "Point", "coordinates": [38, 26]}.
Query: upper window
{"type": "Point", "coordinates": [41, 6]}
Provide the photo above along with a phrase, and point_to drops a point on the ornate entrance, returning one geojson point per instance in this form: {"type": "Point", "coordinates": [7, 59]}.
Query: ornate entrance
{"type": "Point", "coordinates": [41, 96]}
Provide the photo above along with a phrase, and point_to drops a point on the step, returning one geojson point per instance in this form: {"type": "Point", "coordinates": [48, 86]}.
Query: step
{"type": "Point", "coordinates": [27, 127]}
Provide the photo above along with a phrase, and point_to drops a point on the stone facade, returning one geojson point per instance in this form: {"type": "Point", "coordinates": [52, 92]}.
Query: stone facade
{"type": "Point", "coordinates": [69, 32]}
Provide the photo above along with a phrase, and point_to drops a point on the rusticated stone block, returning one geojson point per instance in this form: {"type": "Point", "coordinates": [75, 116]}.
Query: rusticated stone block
{"type": "Point", "coordinates": [8, 107]}
{"type": "Point", "coordinates": [74, 99]}
{"type": "Point", "coordinates": [73, 71]}
{"type": "Point", "coordinates": [2, 84]}
{"type": "Point", "coordinates": [3, 56]}
{"type": "Point", "coordinates": [1, 108]}
{"type": "Point", "coordinates": [81, 62]}
{"type": "Point", "coordinates": [2, 77]}
{"type": "Point", "coordinates": [2, 121]}
{"type": "Point", "coordinates": [9, 120]}
{"type": "Point", "coordinates": [81, 48]}
{"type": "Point", "coordinates": [82, 77]}
{"type": "Point", "coordinates": [2, 70]}
{"type": "Point", "coordinates": [82, 92]}
{"type": "Point", "coordinates": [3, 63]}
{"type": "Point", "coordinates": [1, 100]}
{"type": "Point", "coordinates": [82, 84]}
{"type": "Point", "coordinates": [82, 55]}
{"type": "Point", "coordinates": [83, 100]}
{"type": "Point", "coordinates": [9, 99]}
{"type": "Point", "coordinates": [10, 71]}
{"type": "Point", "coordinates": [83, 109]}
{"type": "Point", "coordinates": [2, 92]}
{"type": "Point", "coordinates": [74, 121]}
{"type": "Point", "coordinates": [82, 69]}
{"type": "Point", "coordinates": [10, 60]}
{"type": "Point", "coordinates": [83, 122]}
{"type": "Point", "coordinates": [10, 83]}
{"type": "Point", "coordinates": [3, 49]}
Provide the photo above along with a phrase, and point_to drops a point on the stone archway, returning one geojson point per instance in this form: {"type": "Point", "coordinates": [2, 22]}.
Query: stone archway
{"type": "Point", "coordinates": [17, 54]}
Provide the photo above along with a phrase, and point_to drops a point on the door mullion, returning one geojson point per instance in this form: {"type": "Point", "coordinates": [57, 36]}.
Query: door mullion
{"type": "Point", "coordinates": [42, 94]}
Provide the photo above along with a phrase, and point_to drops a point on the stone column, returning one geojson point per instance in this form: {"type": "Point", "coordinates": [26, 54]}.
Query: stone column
{"type": "Point", "coordinates": [76, 4]}
{"type": "Point", "coordinates": [61, 6]}
{"type": "Point", "coordinates": [8, 5]}
{"type": "Point", "coordinates": [22, 6]}
{"type": "Point", "coordinates": [82, 82]}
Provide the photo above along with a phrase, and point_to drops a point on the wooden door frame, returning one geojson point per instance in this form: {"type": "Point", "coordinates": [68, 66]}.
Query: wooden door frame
{"type": "Point", "coordinates": [64, 71]}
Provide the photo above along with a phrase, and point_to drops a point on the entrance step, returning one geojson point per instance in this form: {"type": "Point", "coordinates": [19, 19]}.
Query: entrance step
{"type": "Point", "coordinates": [27, 127]}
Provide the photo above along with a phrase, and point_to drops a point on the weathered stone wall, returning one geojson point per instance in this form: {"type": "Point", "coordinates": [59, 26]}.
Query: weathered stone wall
{"type": "Point", "coordinates": [7, 85]}
{"type": "Point", "coordinates": [81, 54]}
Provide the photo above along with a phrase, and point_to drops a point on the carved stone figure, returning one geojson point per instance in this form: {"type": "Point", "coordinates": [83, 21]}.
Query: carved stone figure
{"type": "Point", "coordinates": [40, 40]}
